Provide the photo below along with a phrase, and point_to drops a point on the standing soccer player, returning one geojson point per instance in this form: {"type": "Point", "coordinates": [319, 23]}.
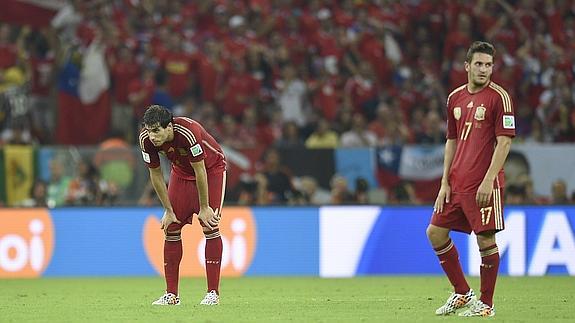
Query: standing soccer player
{"type": "Point", "coordinates": [480, 127]}
{"type": "Point", "coordinates": [196, 187]}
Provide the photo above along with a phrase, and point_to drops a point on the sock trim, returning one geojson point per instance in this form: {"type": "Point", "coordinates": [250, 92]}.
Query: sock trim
{"type": "Point", "coordinates": [212, 234]}
{"type": "Point", "coordinates": [173, 238]}
{"type": "Point", "coordinates": [489, 251]}
{"type": "Point", "coordinates": [445, 248]}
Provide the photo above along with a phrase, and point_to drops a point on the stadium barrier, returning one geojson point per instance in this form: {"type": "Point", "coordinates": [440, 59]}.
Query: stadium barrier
{"type": "Point", "coordinates": [326, 241]}
{"type": "Point", "coordinates": [382, 168]}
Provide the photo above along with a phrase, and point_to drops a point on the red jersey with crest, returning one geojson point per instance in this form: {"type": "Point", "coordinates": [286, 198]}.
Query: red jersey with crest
{"type": "Point", "coordinates": [475, 120]}
{"type": "Point", "coordinates": [191, 143]}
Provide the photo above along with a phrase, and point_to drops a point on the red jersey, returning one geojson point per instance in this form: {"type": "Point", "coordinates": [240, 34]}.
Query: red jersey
{"type": "Point", "coordinates": [179, 66]}
{"type": "Point", "coordinates": [42, 71]}
{"type": "Point", "coordinates": [191, 143]}
{"type": "Point", "coordinates": [475, 120]}
{"type": "Point", "coordinates": [8, 55]}
{"type": "Point", "coordinates": [122, 74]}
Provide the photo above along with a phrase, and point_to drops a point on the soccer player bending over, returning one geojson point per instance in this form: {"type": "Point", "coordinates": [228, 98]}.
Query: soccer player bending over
{"type": "Point", "coordinates": [480, 126]}
{"type": "Point", "coordinates": [196, 187]}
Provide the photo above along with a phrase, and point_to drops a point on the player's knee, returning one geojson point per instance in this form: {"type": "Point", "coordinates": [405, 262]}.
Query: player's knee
{"type": "Point", "coordinates": [174, 235]}
{"type": "Point", "coordinates": [436, 234]}
{"type": "Point", "coordinates": [431, 232]}
{"type": "Point", "coordinates": [173, 227]}
{"type": "Point", "coordinates": [485, 239]}
{"type": "Point", "coordinates": [212, 234]}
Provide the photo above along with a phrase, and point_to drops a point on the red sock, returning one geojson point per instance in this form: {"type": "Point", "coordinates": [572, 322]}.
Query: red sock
{"type": "Point", "coordinates": [213, 259]}
{"type": "Point", "coordinates": [172, 258]}
{"type": "Point", "coordinates": [449, 260]}
{"type": "Point", "coordinates": [488, 271]}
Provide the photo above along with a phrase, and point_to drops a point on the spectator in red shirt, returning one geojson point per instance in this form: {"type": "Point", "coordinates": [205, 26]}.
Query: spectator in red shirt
{"type": "Point", "coordinates": [239, 89]}
{"type": "Point", "coordinates": [178, 66]}
{"type": "Point", "coordinates": [361, 91]}
{"type": "Point", "coordinates": [211, 68]}
{"type": "Point", "coordinates": [140, 91]}
{"type": "Point", "coordinates": [458, 36]}
{"type": "Point", "coordinates": [326, 95]}
{"type": "Point", "coordinates": [234, 135]}
{"type": "Point", "coordinates": [8, 50]}
{"type": "Point", "coordinates": [124, 69]}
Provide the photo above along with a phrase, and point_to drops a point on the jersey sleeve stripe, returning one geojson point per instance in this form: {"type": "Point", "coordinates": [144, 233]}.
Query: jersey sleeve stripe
{"type": "Point", "coordinates": [186, 119]}
{"type": "Point", "coordinates": [187, 133]}
{"type": "Point", "coordinates": [504, 96]}
{"type": "Point", "coordinates": [455, 91]}
{"type": "Point", "coordinates": [143, 136]}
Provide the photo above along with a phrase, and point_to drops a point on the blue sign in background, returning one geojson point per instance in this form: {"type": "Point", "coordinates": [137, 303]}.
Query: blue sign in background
{"type": "Point", "coordinates": [109, 241]}
{"type": "Point", "coordinates": [397, 243]}
{"type": "Point", "coordinates": [99, 241]}
{"type": "Point", "coordinates": [287, 242]}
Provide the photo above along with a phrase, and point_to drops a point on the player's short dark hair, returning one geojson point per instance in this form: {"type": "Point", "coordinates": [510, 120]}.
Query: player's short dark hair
{"type": "Point", "coordinates": [157, 114]}
{"type": "Point", "coordinates": [480, 47]}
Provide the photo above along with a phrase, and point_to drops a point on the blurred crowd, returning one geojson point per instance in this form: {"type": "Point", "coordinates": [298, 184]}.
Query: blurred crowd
{"type": "Point", "coordinates": [289, 73]}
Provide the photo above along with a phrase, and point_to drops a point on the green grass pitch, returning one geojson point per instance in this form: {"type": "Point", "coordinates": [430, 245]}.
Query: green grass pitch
{"type": "Point", "coordinates": [277, 299]}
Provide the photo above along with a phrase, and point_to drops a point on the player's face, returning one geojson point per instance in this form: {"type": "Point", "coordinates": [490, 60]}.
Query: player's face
{"type": "Point", "coordinates": [479, 70]}
{"type": "Point", "coordinates": [158, 135]}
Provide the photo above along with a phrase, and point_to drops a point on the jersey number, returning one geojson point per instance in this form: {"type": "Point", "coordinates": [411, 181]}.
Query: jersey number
{"type": "Point", "coordinates": [466, 130]}
{"type": "Point", "coordinates": [485, 214]}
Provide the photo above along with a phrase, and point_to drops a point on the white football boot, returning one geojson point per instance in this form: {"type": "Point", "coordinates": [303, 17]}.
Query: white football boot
{"type": "Point", "coordinates": [478, 308]}
{"type": "Point", "coordinates": [167, 299]}
{"type": "Point", "coordinates": [211, 298]}
{"type": "Point", "coordinates": [455, 302]}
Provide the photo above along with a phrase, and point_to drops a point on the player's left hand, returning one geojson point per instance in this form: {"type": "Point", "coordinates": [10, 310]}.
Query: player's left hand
{"type": "Point", "coordinates": [209, 217]}
{"type": "Point", "coordinates": [168, 218]}
{"type": "Point", "coordinates": [483, 196]}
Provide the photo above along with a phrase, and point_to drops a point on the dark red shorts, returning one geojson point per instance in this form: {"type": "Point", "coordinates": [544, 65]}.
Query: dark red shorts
{"type": "Point", "coordinates": [462, 213]}
{"type": "Point", "coordinates": [183, 195]}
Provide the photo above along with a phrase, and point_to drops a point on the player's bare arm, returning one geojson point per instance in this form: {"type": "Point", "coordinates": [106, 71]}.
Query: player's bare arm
{"type": "Point", "coordinates": [445, 191]}
{"type": "Point", "coordinates": [207, 215]}
{"type": "Point", "coordinates": [157, 180]}
{"type": "Point", "coordinates": [485, 189]}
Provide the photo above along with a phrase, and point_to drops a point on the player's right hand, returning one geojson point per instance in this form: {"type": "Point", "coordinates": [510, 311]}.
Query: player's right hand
{"type": "Point", "coordinates": [442, 197]}
{"type": "Point", "coordinates": [168, 218]}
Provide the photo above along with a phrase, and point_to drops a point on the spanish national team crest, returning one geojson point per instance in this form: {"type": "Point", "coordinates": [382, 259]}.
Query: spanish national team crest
{"type": "Point", "coordinates": [480, 113]}
{"type": "Point", "coordinates": [457, 113]}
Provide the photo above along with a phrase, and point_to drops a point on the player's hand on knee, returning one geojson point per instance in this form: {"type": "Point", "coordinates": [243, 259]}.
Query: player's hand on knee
{"type": "Point", "coordinates": [168, 218]}
{"type": "Point", "coordinates": [209, 217]}
{"type": "Point", "coordinates": [215, 221]}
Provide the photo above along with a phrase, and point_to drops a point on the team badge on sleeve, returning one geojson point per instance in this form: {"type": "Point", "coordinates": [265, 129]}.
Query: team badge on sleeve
{"type": "Point", "coordinates": [146, 156]}
{"type": "Point", "coordinates": [508, 122]}
{"type": "Point", "coordinates": [457, 113]}
{"type": "Point", "coordinates": [196, 150]}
